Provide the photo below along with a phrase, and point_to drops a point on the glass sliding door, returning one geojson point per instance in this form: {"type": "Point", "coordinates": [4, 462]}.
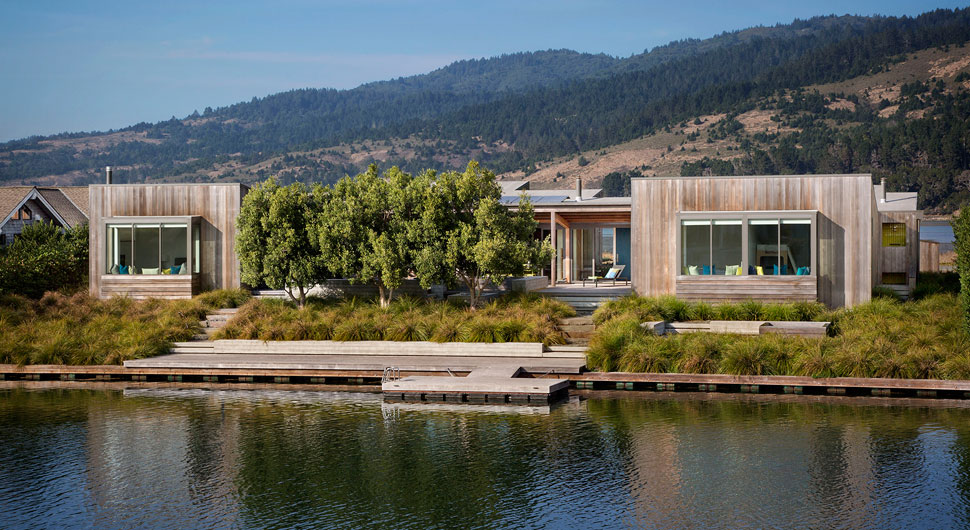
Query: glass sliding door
{"type": "Point", "coordinates": [607, 251]}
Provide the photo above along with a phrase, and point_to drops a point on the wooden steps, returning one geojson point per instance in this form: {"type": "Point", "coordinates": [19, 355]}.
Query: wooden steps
{"type": "Point", "coordinates": [214, 322]}
{"type": "Point", "coordinates": [577, 330]}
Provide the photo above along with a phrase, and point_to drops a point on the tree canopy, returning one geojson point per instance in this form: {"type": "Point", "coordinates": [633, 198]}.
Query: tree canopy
{"type": "Point", "coordinates": [367, 229]}
{"type": "Point", "coordinates": [470, 238]}
{"type": "Point", "coordinates": [273, 239]}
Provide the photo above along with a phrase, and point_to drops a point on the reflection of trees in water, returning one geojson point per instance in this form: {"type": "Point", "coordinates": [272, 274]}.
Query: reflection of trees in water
{"type": "Point", "coordinates": [427, 469]}
{"type": "Point", "coordinates": [652, 461]}
{"type": "Point", "coordinates": [801, 462]}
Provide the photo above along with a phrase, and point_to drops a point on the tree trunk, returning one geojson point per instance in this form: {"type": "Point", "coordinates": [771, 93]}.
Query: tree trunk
{"type": "Point", "coordinates": [474, 292]}
{"type": "Point", "coordinates": [289, 291]}
{"type": "Point", "coordinates": [300, 300]}
{"type": "Point", "coordinates": [385, 294]}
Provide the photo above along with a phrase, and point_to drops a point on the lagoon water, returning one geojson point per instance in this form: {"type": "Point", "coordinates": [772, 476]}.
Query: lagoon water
{"type": "Point", "coordinates": [163, 458]}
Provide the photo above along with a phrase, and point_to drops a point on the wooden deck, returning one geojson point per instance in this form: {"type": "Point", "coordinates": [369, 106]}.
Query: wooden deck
{"type": "Point", "coordinates": [586, 299]}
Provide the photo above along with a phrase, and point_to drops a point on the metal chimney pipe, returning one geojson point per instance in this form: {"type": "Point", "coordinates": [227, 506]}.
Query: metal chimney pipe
{"type": "Point", "coordinates": [107, 174]}
{"type": "Point", "coordinates": [882, 197]}
{"type": "Point", "coordinates": [579, 189]}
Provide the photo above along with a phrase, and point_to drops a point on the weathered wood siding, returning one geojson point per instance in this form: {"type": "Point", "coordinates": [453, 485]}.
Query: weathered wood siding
{"type": "Point", "coordinates": [929, 256]}
{"type": "Point", "coordinates": [217, 204]}
{"type": "Point", "coordinates": [845, 225]}
{"type": "Point", "coordinates": [900, 259]}
{"type": "Point", "coordinates": [737, 288]}
{"type": "Point", "coordinates": [149, 286]}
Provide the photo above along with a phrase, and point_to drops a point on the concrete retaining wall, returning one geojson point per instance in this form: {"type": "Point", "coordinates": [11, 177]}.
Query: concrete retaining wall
{"type": "Point", "coordinates": [377, 347]}
{"type": "Point", "coordinates": [342, 288]}
{"type": "Point", "coordinates": [526, 284]}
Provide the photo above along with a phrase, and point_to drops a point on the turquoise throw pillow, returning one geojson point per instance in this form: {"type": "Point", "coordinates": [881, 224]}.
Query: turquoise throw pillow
{"type": "Point", "coordinates": [173, 270]}
{"type": "Point", "coordinates": [122, 270]}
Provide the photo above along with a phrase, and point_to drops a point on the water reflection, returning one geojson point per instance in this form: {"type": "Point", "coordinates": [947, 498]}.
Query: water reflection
{"type": "Point", "coordinates": [248, 459]}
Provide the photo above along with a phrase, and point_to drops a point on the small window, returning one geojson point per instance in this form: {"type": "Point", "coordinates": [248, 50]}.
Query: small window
{"type": "Point", "coordinates": [894, 234]}
{"type": "Point", "coordinates": [894, 278]}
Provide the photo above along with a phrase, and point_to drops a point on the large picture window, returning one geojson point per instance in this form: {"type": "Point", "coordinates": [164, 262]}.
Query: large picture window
{"type": "Point", "coordinates": [152, 248]}
{"type": "Point", "coordinates": [755, 245]}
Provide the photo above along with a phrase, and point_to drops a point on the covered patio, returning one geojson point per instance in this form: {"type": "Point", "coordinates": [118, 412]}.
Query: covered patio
{"type": "Point", "coordinates": [588, 237]}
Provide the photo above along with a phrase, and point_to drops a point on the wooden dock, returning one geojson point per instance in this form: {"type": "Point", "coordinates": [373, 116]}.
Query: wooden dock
{"type": "Point", "coordinates": [491, 385]}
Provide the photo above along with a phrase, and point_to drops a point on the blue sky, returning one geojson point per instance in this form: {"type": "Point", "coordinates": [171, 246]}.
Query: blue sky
{"type": "Point", "coordinates": [68, 66]}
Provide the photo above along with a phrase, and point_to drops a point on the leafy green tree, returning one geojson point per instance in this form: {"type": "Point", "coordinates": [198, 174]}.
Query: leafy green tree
{"type": "Point", "coordinates": [961, 230]}
{"type": "Point", "coordinates": [470, 238]}
{"type": "Point", "coordinates": [45, 258]}
{"type": "Point", "coordinates": [273, 240]}
{"type": "Point", "coordinates": [367, 230]}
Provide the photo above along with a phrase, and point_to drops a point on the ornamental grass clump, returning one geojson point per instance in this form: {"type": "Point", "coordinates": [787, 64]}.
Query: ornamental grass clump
{"type": "Point", "coordinates": [511, 318]}
{"type": "Point", "coordinates": [80, 330]}
{"type": "Point", "coordinates": [671, 309]}
{"type": "Point", "coordinates": [884, 337]}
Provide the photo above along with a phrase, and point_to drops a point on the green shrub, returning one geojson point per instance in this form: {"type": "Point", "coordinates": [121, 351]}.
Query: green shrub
{"type": "Point", "coordinates": [929, 283]}
{"type": "Point", "coordinates": [45, 258]}
{"type": "Point", "coordinates": [961, 231]}
{"type": "Point", "coordinates": [880, 291]}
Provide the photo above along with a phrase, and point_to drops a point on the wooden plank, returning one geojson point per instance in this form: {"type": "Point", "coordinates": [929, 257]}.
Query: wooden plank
{"type": "Point", "coordinates": [929, 256]}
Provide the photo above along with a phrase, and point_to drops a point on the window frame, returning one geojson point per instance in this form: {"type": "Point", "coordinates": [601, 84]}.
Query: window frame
{"type": "Point", "coordinates": [746, 216]}
{"type": "Point", "coordinates": [192, 224]}
{"type": "Point", "coordinates": [891, 244]}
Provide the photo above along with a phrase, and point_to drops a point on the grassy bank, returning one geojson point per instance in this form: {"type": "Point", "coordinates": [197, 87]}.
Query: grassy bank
{"type": "Point", "coordinates": [512, 318]}
{"type": "Point", "coordinates": [78, 329]}
{"type": "Point", "coordinates": [882, 338]}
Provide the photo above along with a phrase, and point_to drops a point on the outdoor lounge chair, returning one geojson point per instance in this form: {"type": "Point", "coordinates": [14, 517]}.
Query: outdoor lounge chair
{"type": "Point", "coordinates": [612, 274]}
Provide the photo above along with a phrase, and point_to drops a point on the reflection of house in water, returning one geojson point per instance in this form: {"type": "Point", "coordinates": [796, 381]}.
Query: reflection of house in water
{"type": "Point", "coordinates": [700, 462]}
{"type": "Point", "coordinates": [152, 451]}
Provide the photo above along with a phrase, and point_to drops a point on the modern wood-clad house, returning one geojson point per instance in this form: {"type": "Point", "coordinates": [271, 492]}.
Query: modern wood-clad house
{"type": "Point", "coordinates": [772, 238]}
{"type": "Point", "coordinates": [163, 240]}
{"type": "Point", "coordinates": [830, 238]}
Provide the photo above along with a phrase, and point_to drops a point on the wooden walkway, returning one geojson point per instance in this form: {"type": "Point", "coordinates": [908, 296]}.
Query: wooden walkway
{"type": "Point", "coordinates": [847, 386]}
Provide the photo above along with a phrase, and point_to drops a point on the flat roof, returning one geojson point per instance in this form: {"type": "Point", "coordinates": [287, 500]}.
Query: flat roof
{"type": "Point", "coordinates": [676, 177]}
{"type": "Point", "coordinates": [145, 184]}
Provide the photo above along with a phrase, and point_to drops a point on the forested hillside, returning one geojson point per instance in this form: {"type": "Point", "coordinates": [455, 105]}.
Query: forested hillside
{"type": "Point", "coordinates": [831, 94]}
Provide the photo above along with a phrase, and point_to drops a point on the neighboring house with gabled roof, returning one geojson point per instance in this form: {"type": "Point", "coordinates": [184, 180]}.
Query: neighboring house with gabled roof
{"type": "Point", "coordinates": [20, 206]}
